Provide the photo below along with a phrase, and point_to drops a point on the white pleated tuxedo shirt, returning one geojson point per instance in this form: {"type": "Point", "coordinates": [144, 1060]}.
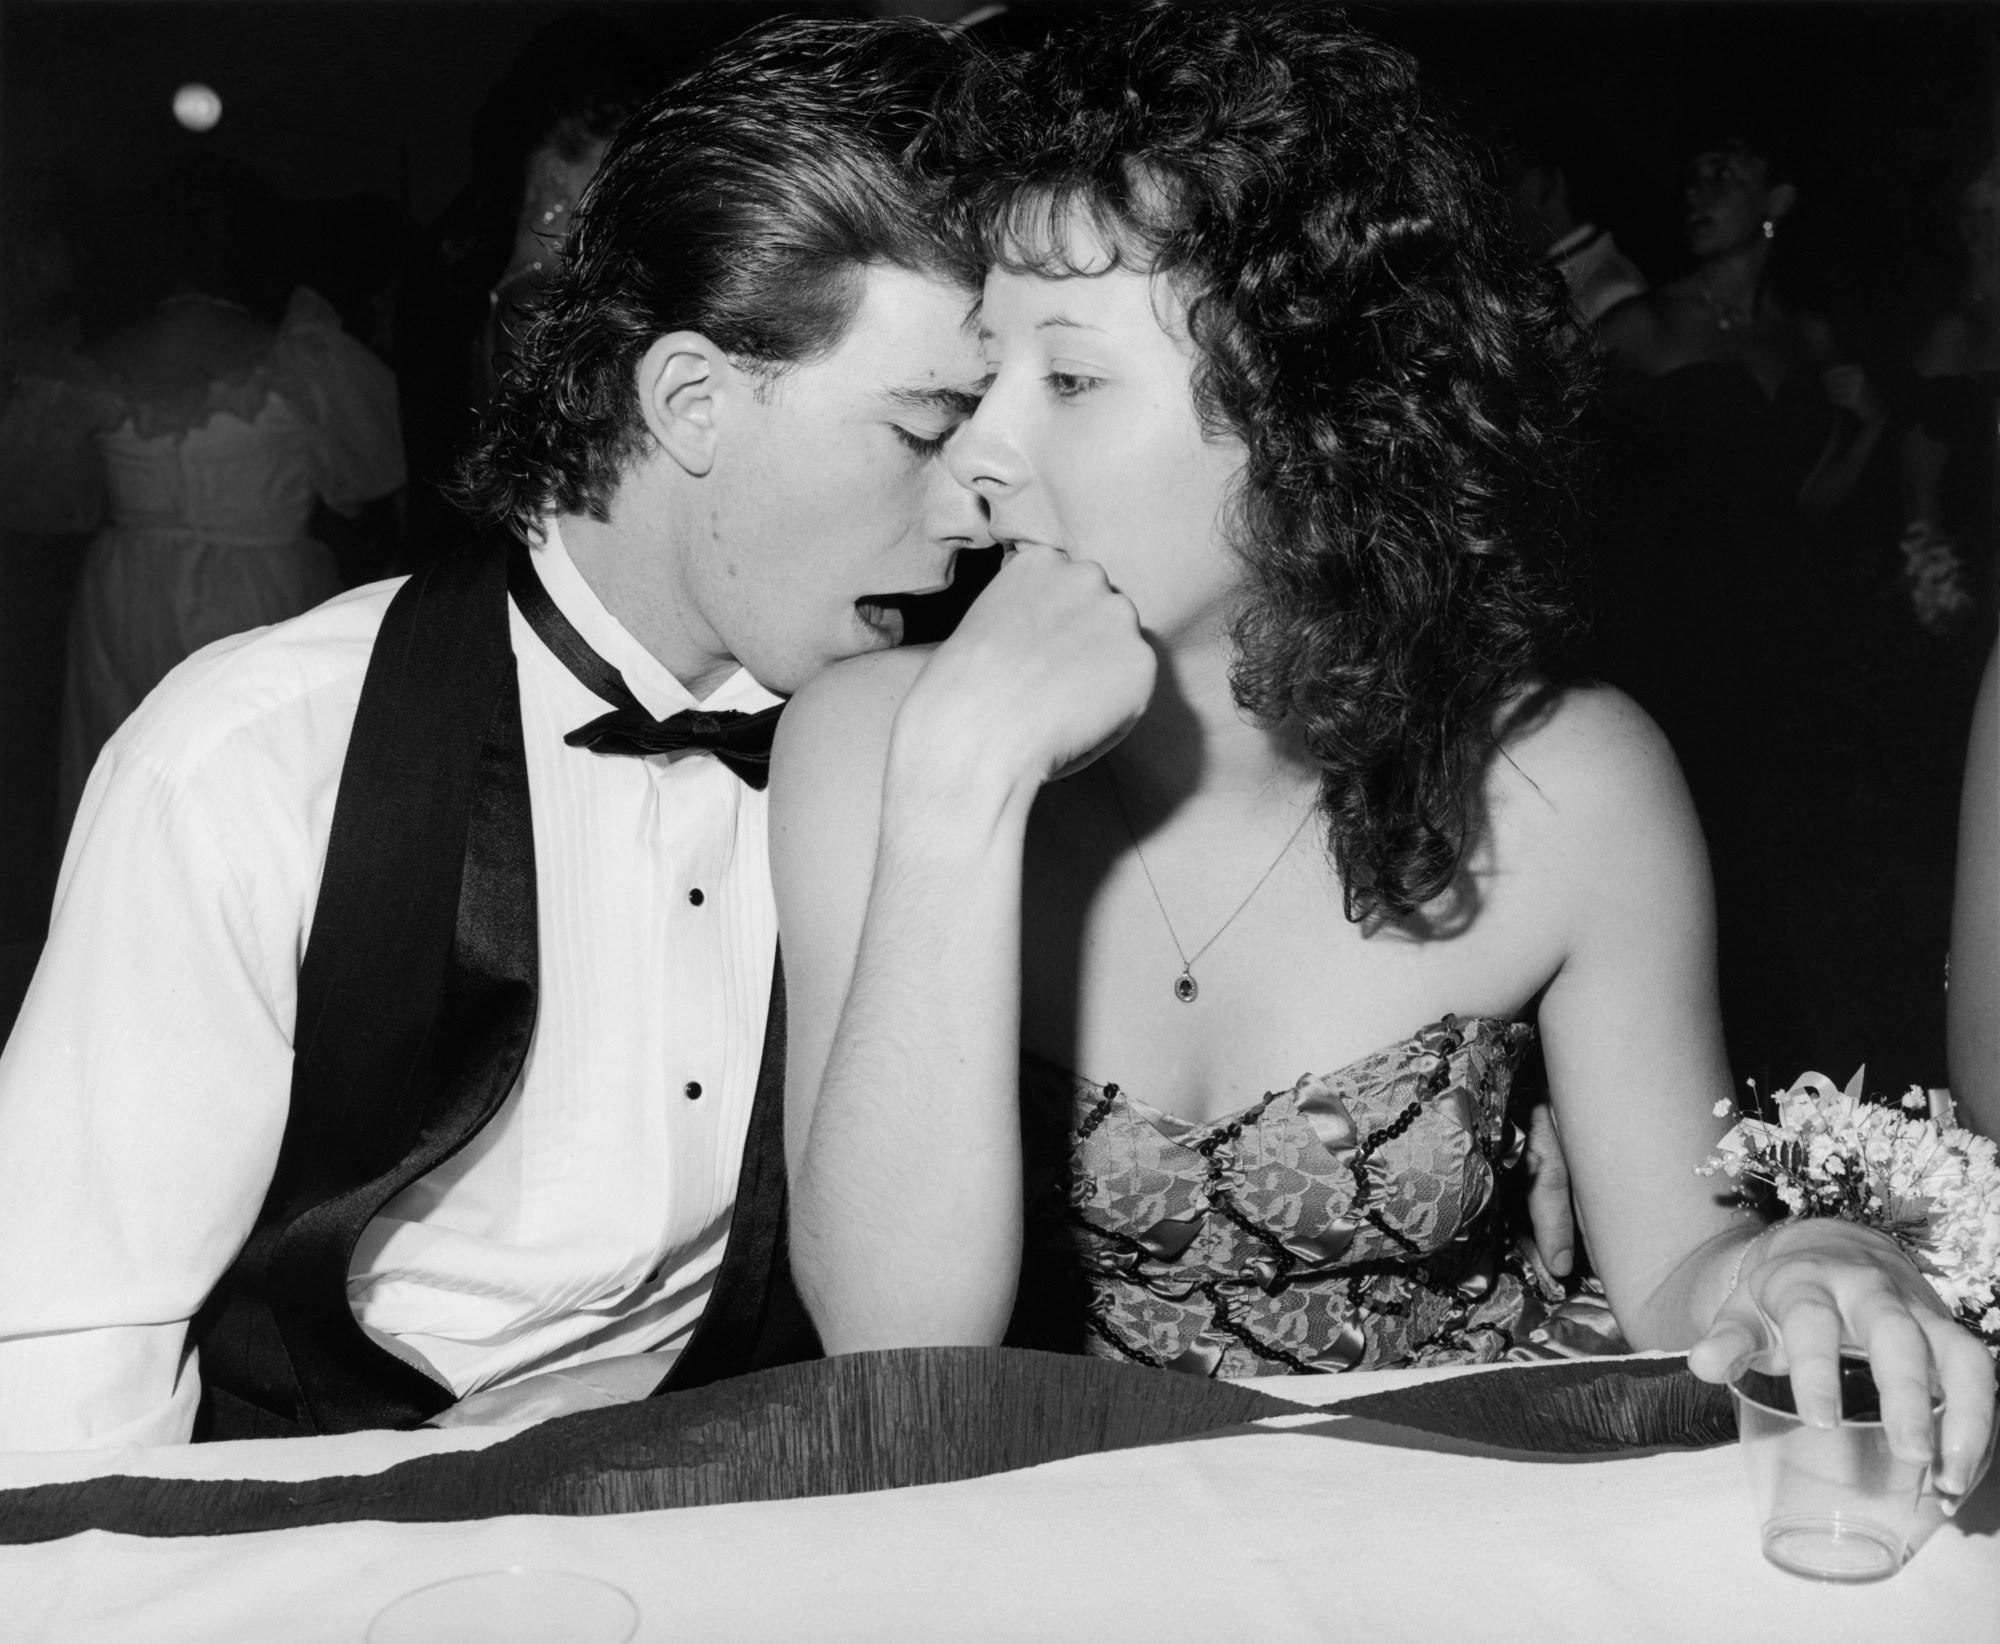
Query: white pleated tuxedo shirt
{"type": "Point", "coordinates": [144, 1091]}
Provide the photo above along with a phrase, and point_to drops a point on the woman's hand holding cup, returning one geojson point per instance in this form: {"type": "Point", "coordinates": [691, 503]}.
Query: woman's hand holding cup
{"type": "Point", "coordinates": [1818, 1285]}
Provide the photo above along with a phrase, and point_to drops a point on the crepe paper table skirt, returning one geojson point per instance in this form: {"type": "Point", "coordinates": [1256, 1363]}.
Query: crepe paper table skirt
{"type": "Point", "coordinates": [1278, 1533]}
{"type": "Point", "coordinates": [370, 1452]}
{"type": "Point", "coordinates": [877, 1421]}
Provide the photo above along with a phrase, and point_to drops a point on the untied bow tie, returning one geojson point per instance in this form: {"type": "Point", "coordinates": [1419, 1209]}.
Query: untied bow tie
{"type": "Point", "coordinates": [741, 741]}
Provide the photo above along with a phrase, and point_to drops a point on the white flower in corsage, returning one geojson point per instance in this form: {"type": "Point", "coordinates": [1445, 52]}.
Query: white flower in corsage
{"type": "Point", "coordinates": [1931, 1186]}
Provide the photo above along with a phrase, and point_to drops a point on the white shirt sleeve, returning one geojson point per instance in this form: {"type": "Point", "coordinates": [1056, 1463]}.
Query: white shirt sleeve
{"type": "Point", "coordinates": [144, 1093]}
{"type": "Point", "coordinates": [143, 1097]}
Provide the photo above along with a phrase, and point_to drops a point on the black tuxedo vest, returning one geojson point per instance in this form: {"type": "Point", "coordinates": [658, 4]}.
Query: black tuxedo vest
{"type": "Point", "coordinates": [416, 1005]}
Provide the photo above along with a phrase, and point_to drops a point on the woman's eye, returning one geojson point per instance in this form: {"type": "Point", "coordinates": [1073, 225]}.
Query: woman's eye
{"type": "Point", "coordinates": [1067, 385]}
{"type": "Point", "coordinates": [924, 445]}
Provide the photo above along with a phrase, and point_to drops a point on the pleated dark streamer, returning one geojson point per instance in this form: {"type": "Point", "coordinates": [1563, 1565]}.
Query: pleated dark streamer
{"type": "Point", "coordinates": [870, 1422]}
{"type": "Point", "coordinates": [1584, 1407]}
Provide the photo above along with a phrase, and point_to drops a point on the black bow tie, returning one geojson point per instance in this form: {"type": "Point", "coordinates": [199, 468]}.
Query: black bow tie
{"type": "Point", "coordinates": [741, 741]}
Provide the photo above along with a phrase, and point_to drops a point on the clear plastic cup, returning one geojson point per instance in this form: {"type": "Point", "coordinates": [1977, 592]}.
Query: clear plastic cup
{"type": "Point", "coordinates": [512, 1606]}
{"type": "Point", "coordinates": [1836, 1504]}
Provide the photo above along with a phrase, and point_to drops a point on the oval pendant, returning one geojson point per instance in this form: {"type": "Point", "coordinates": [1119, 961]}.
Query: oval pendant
{"type": "Point", "coordinates": [1185, 989]}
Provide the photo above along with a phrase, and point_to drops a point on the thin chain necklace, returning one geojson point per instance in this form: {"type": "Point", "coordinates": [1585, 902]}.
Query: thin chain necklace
{"type": "Point", "coordinates": [1186, 989]}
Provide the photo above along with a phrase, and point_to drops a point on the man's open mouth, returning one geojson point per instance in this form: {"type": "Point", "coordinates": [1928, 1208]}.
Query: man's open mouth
{"type": "Point", "coordinates": [884, 614]}
{"type": "Point", "coordinates": [892, 614]}
{"type": "Point", "coordinates": [924, 616]}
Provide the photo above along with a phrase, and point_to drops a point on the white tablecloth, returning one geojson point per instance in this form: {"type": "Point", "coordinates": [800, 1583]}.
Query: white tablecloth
{"type": "Point", "coordinates": [1274, 1536]}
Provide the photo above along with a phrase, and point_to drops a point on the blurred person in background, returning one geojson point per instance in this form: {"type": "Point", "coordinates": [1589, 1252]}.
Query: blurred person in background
{"type": "Point", "coordinates": [1948, 467]}
{"type": "Point", "coordinates": [195, 440]}
{"type": "Point", "coordinates": [40, 259]}
{"type": "Point", "coordinates": [1736, 433]}
{"type": "Point", "coordinates": [1727, 327]}
{"type": "Point", "coordinates": [1561, 174]}
{"type": "Point", "coordinates": [536, 144]}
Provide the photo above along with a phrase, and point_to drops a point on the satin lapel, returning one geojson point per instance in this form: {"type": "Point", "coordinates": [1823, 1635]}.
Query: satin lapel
{"type": "Point", "coordinates": [417, 994]}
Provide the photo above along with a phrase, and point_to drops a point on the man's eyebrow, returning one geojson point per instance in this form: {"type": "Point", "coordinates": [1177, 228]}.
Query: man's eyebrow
{"type": "Point", "coordinates": [959, 400]}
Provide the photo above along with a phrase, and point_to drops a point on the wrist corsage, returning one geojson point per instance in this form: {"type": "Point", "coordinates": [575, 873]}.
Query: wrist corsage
{"type": "Point", "coordinates": [1929, 1185]}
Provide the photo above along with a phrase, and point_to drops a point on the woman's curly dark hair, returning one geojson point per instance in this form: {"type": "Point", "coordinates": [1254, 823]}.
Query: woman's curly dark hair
{"type": "Point", "coordinates": [741, 203]}
{"type": "Point", "coordinates": [1365, 327]}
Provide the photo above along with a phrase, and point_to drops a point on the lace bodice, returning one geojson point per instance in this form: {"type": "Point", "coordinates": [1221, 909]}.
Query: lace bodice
{"type": "Point", "coordinates": [1342, 1223]}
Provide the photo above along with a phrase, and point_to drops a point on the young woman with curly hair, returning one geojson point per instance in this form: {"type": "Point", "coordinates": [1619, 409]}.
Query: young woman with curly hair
{"type": "Point", "coordinates": [1257, 757]}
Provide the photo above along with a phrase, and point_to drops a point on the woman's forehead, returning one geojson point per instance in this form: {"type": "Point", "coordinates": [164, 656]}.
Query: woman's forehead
{"type": "Point", "coordinates": [1059, 296]}
{"type": "Point", "coordinates": [1108, 302]}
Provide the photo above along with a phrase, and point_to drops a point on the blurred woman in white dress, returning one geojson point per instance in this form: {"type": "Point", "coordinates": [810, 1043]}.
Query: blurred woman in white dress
{"type": "Point", "coordinates": [195, 440]}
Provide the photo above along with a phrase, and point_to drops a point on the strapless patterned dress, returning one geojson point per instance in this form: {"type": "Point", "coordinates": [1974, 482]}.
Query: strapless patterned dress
{"type": "Point", "coordinates": [1347, 1223]}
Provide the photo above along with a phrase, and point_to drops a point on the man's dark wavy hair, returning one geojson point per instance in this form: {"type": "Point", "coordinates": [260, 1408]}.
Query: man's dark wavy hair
{"type": "Point", "coordinates": [1364, 327]}
{"type": "Point", "coordinates": [741, 203]}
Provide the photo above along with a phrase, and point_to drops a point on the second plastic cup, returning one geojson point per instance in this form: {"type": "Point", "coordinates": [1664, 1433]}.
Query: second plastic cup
{"type": "Point", "coordinates": [1835, 1503]}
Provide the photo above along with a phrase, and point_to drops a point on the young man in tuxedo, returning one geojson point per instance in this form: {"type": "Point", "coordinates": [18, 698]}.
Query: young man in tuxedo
{"type": "Point", "coordinates": [399, 1033]}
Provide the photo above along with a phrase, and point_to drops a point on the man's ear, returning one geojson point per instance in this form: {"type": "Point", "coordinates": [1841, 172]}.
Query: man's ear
{"type": "Point", "coordinates": [1780, 200]}
{"type": "Point", "coordinates": [681, 380]}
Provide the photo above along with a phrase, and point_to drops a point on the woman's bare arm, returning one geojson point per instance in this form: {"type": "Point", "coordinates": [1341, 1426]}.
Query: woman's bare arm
{"type": "Point", "coordinates": [900, 794]}
{"type": "Point", "coordinates": [1972, 1013]}
{"type": "Point", "coordinates": [901, 1136]}
{"type": "Point", "coordinates": [1636, 1067]}
{"type": "Point", "coordinates": [1630, 1024]}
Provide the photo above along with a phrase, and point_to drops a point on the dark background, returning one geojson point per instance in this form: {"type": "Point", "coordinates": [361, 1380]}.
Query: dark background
{"type": "Point", "coordinates": [361, 113]}
{"type": "Point", "coordinates": [340, 102]}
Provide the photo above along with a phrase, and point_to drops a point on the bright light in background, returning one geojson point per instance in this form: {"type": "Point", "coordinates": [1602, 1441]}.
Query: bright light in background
{"type": "Point", "coordinates": [197, 107]}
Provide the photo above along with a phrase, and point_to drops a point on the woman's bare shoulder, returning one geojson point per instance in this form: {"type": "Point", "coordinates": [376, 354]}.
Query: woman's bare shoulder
{"type": "Point", "coordinates": [851, 703]}
{"type": "Point", "coordinates": [827, 765]}
{"type": "Point", "coordinates": [1584, 769]}
{"type": "Point", "coordinates": [834, 736]}
{"type": "Point", "coordinates": [1588, 823]}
